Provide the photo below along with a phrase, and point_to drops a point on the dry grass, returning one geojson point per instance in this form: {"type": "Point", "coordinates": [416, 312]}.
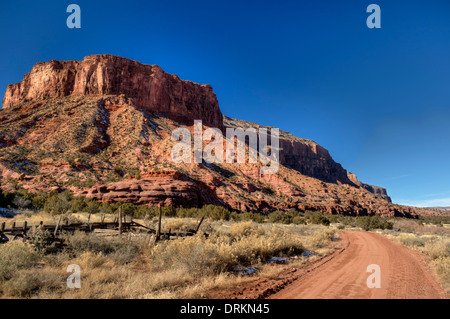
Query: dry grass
{"type": "Point", "coordinates": [441, 266]}
{"type": "Point", "coordinates": [416, 227]}
{"type": "Point", "coordinates": [244, 245]}
{"type": "Point", "coordinates": [434, 241]}
{"type": "Point", "coordinates": [181, 268]}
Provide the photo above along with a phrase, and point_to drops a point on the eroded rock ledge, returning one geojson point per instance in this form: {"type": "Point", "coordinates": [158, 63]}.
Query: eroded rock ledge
{"type": "Point", "coordinates": [148, 85]}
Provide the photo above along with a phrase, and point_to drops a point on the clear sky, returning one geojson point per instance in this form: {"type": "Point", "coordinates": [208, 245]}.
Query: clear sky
{"type": "Point", "coordinates": [377, 99]}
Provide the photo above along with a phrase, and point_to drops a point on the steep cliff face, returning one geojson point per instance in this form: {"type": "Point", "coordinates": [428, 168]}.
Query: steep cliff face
{"type": "Point", "coordinates": [95, 127]}
{"type": "Point", "coordinates": [377, 190]}
{"type": "Point", "coordinates": [311, 159]}
{"type": "Point", "coordinates": [148, 85]}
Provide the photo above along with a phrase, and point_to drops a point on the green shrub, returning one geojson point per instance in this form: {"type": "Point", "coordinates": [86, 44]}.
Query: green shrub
{"type": "Point", "coordinates": [280, 217]}
{"type": "Point", "coordinates": [258, 218]}
{"type": "Point", "coordinates": [109, 208]}
{"type": "Point", "coordinates": [42, 241]}
{"type": "Point", "coordinates": [25, 283]}
{"type": "Point", "coordinates": [216, 212]}
{"type": "Point", "coordinates": [169, 211]}
{"type": "Point", "coordinates": [373, 222]}
{"type": "Point", "coordinates": [78, 205]}
{"type": "Point", "coordinates": [59, 204]}
{"type": "Point", "coordinates": [38, 202]}
{"type": "Point", "coordinates": [317, 218]}
{"type": "Point", "coordinates": [299, 220]}
{"type": "Point", "coordinates": [411, 240]}
{"type": "Point", "coordinates": [143, 211]}
{"type": "Point", "coordinates": [187, 212]}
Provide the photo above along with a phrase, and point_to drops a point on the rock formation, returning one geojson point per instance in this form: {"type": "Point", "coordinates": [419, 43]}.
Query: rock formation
{"type": "Point", "coordinates": [101, 128]}
{"type": "Point", "coordinates": [148, 85]}
{"type": "Point", "coordinates": [311, 159]}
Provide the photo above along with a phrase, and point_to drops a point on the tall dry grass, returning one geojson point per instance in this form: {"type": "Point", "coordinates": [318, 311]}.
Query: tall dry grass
{"type": "Point", "coordinates": [433, 241]}
{"type": "Point", "coordinates": [132, 267]}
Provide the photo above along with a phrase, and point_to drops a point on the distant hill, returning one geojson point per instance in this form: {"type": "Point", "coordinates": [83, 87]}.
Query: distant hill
{"type": "Point", "coordinates": [445, 209]}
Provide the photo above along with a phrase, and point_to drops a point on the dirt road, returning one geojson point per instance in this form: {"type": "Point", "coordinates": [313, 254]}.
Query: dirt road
{"type": "Point", "coordinates": [403, 272]}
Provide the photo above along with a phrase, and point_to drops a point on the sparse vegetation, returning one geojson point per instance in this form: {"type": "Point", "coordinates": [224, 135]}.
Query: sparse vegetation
{"type": "Point", "coordinates": [135, 267]}
{"type": "Point", "coordinates": [184, 267]}
{"type": "Point", "coordinates": [245, 244]}
{"type": "Point", "coordinates": [429, 236]}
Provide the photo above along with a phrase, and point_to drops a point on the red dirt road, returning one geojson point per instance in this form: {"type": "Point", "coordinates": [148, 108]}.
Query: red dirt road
{"type": "Point", "coordinates": [403, 273]}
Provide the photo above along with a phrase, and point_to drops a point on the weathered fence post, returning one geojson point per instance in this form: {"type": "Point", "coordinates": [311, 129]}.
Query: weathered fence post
{"type": "Point", "coordinates": [89, 223]}
{"type": "Point", "coordinates": [120, 220]}
{"type": "Point", "coordinates": [57, 226]}
{"type": "Point", "coordinates": [199, 224]}
{"type": "Point", "coordinates": [158, 231]}
{"type": "Point", "coordinates": [24, 229]}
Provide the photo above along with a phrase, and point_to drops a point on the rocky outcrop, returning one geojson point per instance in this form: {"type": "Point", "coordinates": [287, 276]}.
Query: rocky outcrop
{"type": "Point", "coordinates": [95, 128]}
{"type": "Point", "coordinates": [311, 159]}
{"type": "Point", "coordinates": [159, 188]}
{"type": "Point", "coordinates": [148, 85]}
{"type": "Point", "coordinates": [377, 190]}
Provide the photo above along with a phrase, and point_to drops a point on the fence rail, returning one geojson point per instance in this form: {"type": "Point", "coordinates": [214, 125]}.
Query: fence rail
{"type": "Point", "coordinates": [119, 225]}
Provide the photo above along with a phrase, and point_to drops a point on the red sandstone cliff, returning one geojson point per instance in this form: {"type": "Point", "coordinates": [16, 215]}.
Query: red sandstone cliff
{"type": "Point", "coordinates": [311, 159]}
{"type": "Point", "coordinates": [88, 126]}
{"type": "Point", "coordinates": [148, 85]}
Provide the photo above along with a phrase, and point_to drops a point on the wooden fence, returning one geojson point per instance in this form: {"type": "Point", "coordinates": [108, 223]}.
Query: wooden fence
{"type": "Point", "coordinates": [119, 224]}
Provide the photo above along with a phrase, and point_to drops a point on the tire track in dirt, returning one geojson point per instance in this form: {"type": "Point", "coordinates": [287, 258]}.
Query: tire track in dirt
{"type": "Point", "coordinates": [404, 273]}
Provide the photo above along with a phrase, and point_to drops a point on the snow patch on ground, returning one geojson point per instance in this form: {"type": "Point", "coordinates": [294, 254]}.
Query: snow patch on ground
{"type": "Point", "coordinates": [8, 213]}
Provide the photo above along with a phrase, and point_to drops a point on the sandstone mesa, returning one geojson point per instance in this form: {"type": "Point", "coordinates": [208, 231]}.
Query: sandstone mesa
{"type": "Point", "coordinates": [101, 128]}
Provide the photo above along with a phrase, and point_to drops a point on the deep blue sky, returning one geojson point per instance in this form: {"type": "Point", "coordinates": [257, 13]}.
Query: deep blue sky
{"type": "Point", "coordinates": [377, 99]}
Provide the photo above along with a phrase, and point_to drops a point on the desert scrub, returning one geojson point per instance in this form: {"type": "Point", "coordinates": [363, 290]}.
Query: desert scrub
{"type": "Point", "coordinates": [418, 227]}
{"type": "Point", "coordinates": [320, 239]}
{"type": "Point", "coordinates": [439, 251]}
{"type": "Point", "coordinates": [245, 244]}
{"type": "Point", "coordinates": [373, 222]}
{"type": "Point", "coordinates": [179, 224]}
{"type": "Point", "coordinates": [411, 240]}
{"type": "Point", "coordinates": [435, 246]}
{"type": "Point", "coordinates": [118, 249]}
{"type": "Point", "coordinates": [15, 255]}
{"type": "Point", "coordinates": [245, 229]}
{"type": "Point", "coordinates": [26, 283]}
{"type": "Point", "coordinates": [441, 266]}
{"type": "Point", "coordinates": [16, 275]}
{"type": "Point", "coordinates": [41, 240]}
